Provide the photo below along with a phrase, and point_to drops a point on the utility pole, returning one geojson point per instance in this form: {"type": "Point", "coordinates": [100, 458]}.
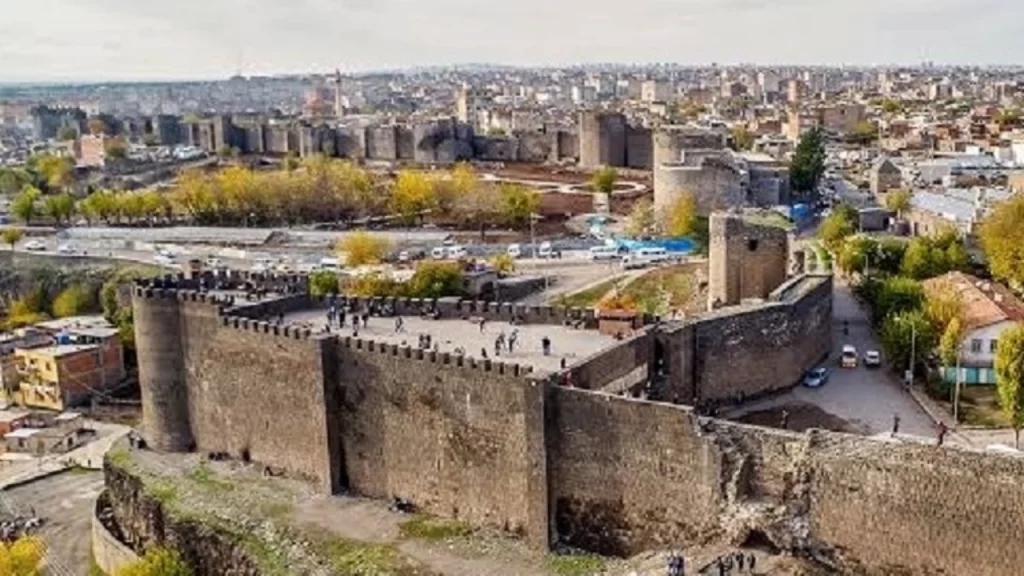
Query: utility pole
{"type": "Point", "coordinates": [956, 387]}
{"type": "Point", "coordinates": [913, 355]}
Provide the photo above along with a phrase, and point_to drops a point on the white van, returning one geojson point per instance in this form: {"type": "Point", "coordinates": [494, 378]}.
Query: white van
{"type": "Point", "coordinates": [514, 251]}
{"type": "Point", "coordinates": [457, 252]}
{"type": "Point", "coordinates": [604, 253]}
{"type": "Point", "coordinates": [642, 257]}
{"type": "Point", "coordinates": [545, 250]}
{"type": "Point", "coordinates": [439, 253]}
{"type": "Point", "coordinates": [849, 357]}
{"type": "Point", "coordinates": [329, 265]}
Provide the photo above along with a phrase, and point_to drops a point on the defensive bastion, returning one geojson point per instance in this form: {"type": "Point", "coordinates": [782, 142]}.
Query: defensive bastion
{"type": "Point", "coordinates": [504, 446]}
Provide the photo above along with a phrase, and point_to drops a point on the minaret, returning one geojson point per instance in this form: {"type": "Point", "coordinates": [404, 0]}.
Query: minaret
{"type": "Point", "coordinates": [339, 110]}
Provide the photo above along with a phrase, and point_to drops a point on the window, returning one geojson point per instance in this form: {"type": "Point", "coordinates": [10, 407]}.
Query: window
{"type": "Point", "coordinates": [992, 345]}
{"type": "Point", "coordinates": [976, 346]}
{"type": "Point", "coordinates": [752, 245]}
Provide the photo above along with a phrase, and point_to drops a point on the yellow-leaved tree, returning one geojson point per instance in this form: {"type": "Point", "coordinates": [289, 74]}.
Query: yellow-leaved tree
{"type": "Point", "coordinates": [363, 248]}
{"type": "Point", "coordinates": [412, 193]}
{"type": "Point", "coordinates": [23, 557]}
{"type": "Point", "coordinates": [680, 217]}
{"type": "Point", "coordinates": [157, 562]}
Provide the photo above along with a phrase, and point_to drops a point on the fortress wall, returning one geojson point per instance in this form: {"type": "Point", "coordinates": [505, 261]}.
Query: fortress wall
{"type": "Point", "coordinates": [450, 308]}
{"type": "Point", "coordinates": [610, 365]}
{"type": "Point", "coordinates": [626, 476]}
{"type": "Point", "coordinates": [918, 506]}
{"type": "Point", "coordinates": [257, 389]}
{"type": "Point", "coordinates": [457, 437]}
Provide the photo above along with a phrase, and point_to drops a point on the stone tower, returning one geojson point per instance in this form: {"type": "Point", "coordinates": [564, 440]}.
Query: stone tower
{"type": "Point", "coordinates": [745, 260]}
{"type": "Point", "coordinates": [339, 110]}
{"type": "Point", "coordinates": [165, 408]}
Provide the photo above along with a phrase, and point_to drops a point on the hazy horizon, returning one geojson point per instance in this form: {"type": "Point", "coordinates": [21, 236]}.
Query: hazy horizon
{"type": "Point", "coordinates": [145, 40]}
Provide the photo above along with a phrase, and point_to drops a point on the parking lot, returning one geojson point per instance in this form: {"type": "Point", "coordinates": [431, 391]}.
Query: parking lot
{"type": "Point", "coordinates": [857, 399]}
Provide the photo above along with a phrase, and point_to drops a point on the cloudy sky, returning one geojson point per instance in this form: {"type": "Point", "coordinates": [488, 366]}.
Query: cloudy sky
{"type": "Point", "coordinates": [150, 39]}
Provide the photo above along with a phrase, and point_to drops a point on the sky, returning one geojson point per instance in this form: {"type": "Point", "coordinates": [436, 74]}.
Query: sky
{"type": "Point", "coordinates": [58, 40]}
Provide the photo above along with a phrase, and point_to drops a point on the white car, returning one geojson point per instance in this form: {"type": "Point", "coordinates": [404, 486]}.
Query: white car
{"type": "Point", "coordinates": [546, 250]}
{"type": "Point", "coordinates": [872, 359]}
{"type": "Point", "coordinates": [514, 251]}
{"type": "Point", "coordinates": [213, 263]}
{"type": "Point", "coordinates": [35, 246]}
{"type": "Point", "coordinates": [65, 249]}
{"type": "Point", "coordinates": [164, 260]}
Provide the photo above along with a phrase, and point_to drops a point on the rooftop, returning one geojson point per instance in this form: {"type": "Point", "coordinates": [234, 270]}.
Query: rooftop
{"type": "Point", "coordinates": [985, 303]}
{"type": "Point", "coordinates": [62, 350]}
{"type": "Point", "coordinates": [23, 433]}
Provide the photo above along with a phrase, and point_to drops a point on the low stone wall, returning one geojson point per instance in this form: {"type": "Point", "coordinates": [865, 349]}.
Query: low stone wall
{"type": "Point", "coordinates": [108, 552]}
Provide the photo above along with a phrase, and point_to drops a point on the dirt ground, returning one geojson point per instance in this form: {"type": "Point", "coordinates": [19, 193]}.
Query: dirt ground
{"type": "Point", "coordinates": [65, 501]}
{"type": "Point", "coordinates": [799, 417]}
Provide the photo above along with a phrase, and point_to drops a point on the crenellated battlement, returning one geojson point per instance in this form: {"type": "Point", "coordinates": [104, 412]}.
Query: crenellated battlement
{"type": "Point", "coordinates": [264, 327]}
{"type": "Point", "coordinates": [433, 357]}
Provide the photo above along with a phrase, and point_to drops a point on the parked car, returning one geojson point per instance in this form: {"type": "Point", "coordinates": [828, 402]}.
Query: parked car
{"type": "Point", "coordinates": [545, 251]}
{"type": "Point", "coordinates": [35, 246]}
{"type": "Point", "coordinates": [65, 249]}
{"type": "Point", "coordinates": [816, 378]}
{"type": "Point", "coordinates": [848, 359]}
{"type": "Point", "coordinates": [872, 359]}
{"type": "Point", "coordinates": [514, 251]}
{"type": "Point", "coordinates": [213, 263]}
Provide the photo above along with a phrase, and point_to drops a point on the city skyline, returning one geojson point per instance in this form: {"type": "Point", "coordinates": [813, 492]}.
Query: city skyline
{"type": "Point", "coordinates": [104, 40]}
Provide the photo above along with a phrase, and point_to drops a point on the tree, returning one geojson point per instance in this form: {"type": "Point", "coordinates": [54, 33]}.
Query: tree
{"type": "Point", "coordinates": [67, 134]}
{"type": "Point", "coordinates": [12, 236]}
{"type": "Point", "coordinates": [24, 205]}
{"type": "Point", "coordinates": [158, 562]}
{"type": "Point", "coordinates": [904, 333]}
{"type": "Point", "coordinates": [503, 263]}
{"type": "Point", "coordinates": [97, 126]}
{"type": "Point", "coordinates": [897, 295]}
{"type": "Point", "coordinates": [435, 280]}
{"type": "Point", "coordinates": [363, 248]}
{"type": "Point", "coordinates": [742, 139]}
{"type": "Point", "coordinates": [891, 106]}
{"type": "Point", "coordinates": [1002, 240]}
{"type": "Point", "coordinates": [898, 201]}
{"type": "Point", "coordinates": [479, 206]}
{"type": "Point", "coordinates": [808, 164]}
{"type": "Point", "coordinates": [1009, 366]}
{"type": "Point", "coordinates": [115, 148]}
{"type": "Point", "coordinates": [949, 344]}
{"type": "Point", "coordinates": [59, 207]}
{"type": "Point", "coordinates": [890, 255]}
{"type": "Point", "coordinates": [518, 204]}
{"type": "Point", "coordinates": [919, 261]}
{"type": "Point", "coordinates": [12, 180]}
{"type": "Point", "coordinates": [604, 179]}
{"type": "Point", "coordinates": [859, 254]}
{"type": "Point", "coordinates": [412, 193]}
{"type": "Point", "coordinates": [834, 231]}
{"type": "Point", "coordinates": [863, 133]}
{"type": "Point", "coordinates": [57, 172]}
{"type": "Point", "coordinates": [23, 557]}
{"type": "Point", "coordinates": [322, 283]}
{"type": "Point", "coordinates": [290, 162]}
{"type": "Point", "coordinates": [641, 218]}
{"type": "Point", "coordinates": [943, 306]}
{"type": "Point", "coordinates": [680, 217]}
{"type": "Point", "coordinates": [73, 301]}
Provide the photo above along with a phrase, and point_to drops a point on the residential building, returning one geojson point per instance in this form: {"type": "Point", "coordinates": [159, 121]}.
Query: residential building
{"type": "Point", "coordinates": [91, 151]}
{"type": "Point", "coordinates": [885, 176]}
{"type": "Point", "coordinates": [64, 375]}
{"type": "Point", "coordinates": [989, 308]}
{"type": "Point", "coordinates": [46, 435]}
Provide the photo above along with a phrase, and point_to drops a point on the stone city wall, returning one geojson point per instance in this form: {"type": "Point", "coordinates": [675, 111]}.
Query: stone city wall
{"type": "Point", "coordinates": [109, 553]}
{"type": "Point", "coordinates": [448, 433]}
{"type": "Point", "coordinates": [735, 354]}
{"type": "Point", "coordinates": [609, 366]}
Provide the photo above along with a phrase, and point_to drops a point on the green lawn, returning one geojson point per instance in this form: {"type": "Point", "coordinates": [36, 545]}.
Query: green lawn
{"type": "Point", "coordinates": [589, 297]}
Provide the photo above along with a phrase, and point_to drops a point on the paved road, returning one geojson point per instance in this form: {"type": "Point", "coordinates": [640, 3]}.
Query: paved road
{"type": "Point", "coordinates": [865, 398]}
{"type": "Point", "coordinates": [65, 502]}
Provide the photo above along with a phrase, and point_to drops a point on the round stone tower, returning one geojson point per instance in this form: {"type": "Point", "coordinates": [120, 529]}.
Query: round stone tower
{"type": "Point", "coordinates": [158, 342]}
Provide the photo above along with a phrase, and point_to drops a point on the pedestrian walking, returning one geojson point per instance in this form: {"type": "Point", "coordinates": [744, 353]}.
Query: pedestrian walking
{"type": "Point", "coordinates": [942, 432]}
{"type": "Point", "coordinates": [399, 325]}
{"type": "Point", "coordinates": [785, 419]}
{"type": "Point", "coordinates": [895, 424]}
{"type": "Point", "coordinates": [545, 344]}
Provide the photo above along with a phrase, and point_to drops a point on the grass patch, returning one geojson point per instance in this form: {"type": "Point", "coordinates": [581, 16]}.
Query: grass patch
{"type": "Point", "coordinates": [663, 290]}
{"type": "Point", "coordinates": [427, 527]}
{"type": "Point", "coordinates": [79, 471]}
{"type": "Point", "coordinates": [769, 218]}
{"type": "Point", "coordinates": [979, 406]}
{"type": "Point", "coordinates": [162, 491]}
{"type": "Point", "coordinates": [276, 510]}
{"type": "Point", "coordinates": [119, 457]}
{"type": "Point", "coordinates": [576, 564]}
{"type": "Point", "coordinates": [366, 559]}
{"type": "Point", "coordinates": [203, 476]}
{"type": "Point", "coordinates": [589, 297]}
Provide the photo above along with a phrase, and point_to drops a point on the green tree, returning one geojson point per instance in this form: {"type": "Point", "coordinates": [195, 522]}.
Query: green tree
{"type": "Point", "coordinates": [75, 300]}
{"type": "Point", "coordinates": [834, 231]}
{"type": "Point", "coordinates": [24, 205]}
{"type": "Point", "coordinates": [742, 139]}
{"type": "Point", "coordinates": [158, 562]}
{"type": "Point", "coordinates": [949, 345]}
{"type": "Point", "coordinates": [898, 201]}
{"type": "Point", "coordinates": [116, 148]}
{"type": "Point", "coordinates": [436, 280]}
{"type": "Point", "coordinates": [808, 164]}
{"type": "Point", "coordinates": [919, 260]}
{"type": "Point", "coordinates": [890, 255]}
{"type": "Point", "coordinates": [1009, 366]}
{"type": "Point", "coordinates": [363, 248]}
{"type": "Point", "coordinates": [57, 172]}
{"type": "Point", "coordinates": [604, 179]}
{"type": "Point", "coordinates": [942, 306]}
{"type": "Point", "coordinates": [957, 258]}
{"type": "Point", "coordinates": [322, 283]}
{"type": "Point", "coordinates": [863, 133]}
{"type": "Point", "coordinates": [59, 207]}
{"type": "Point", "coordinates": [859, 254]}
{"type": "Point", "coordinates": [641, 218]}
{"type": "Point", "coordinates": [680, 218]}
{"type": "Point", "coordinates": [892, 106]}
{"type": "Point", "coordinates": [897, 295]}
{"type": "Point", "coordinates": [518, 204]}
{"type": "Point", "coordinates": [12, 236]}
{"type": "Point", "coordinates": [12, 180]}
{"type": "Point", "coordinates": [1002, 240]}
{"type": "Point", "coordinates": [67, 133]}
{"type": "Point", "coordinates": [904, 333]}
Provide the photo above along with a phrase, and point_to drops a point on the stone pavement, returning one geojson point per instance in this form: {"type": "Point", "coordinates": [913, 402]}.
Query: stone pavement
{"type": "Point", "coordinates": [573, 345]}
